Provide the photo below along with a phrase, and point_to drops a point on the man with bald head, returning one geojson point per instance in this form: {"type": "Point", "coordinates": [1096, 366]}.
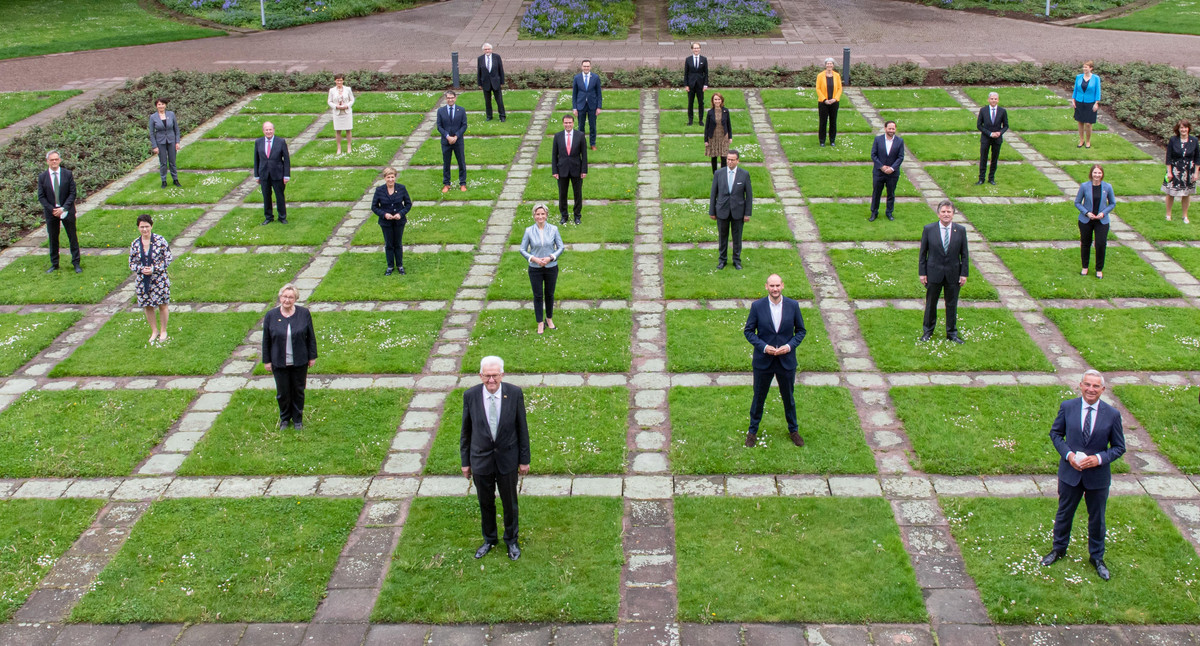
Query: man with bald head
{"type": "Point", "coordinates": [272, 171]}
{"type": "Point", "coordinates": [774, 327]}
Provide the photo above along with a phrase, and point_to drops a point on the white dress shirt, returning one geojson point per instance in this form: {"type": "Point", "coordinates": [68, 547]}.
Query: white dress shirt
{"type": "Point", "coordinates": [776, 312]}
{"type": "Point", "coordinates": [887, 143]}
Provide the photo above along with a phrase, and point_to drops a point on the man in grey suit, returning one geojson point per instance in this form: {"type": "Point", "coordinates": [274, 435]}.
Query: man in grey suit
{"type": "Point", "coordinates": [494, 447]}
{"type": "Point", "coordinates": [943, 263]}
{"type": "Point", "coordinates": [730, 204]}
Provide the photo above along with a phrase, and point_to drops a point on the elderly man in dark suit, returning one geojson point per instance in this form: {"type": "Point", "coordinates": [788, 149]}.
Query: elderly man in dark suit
{"type": "Point", "coordinates": [56, 194]}
{"type": "Point", "coordinates": [490, 75]}
{"type": "Point", "coordinates": [695, 80]}
{"type": "Point", "coordinates": [992, 124]}
{"type": "Point", "coordinates": [451, 124]}
{"type": "Point", "coordinates": [1088, 435]}
{"type": "Point", "coordinates": [943, 263]}
{"type": "Point", "coordinates": [494, 447]}
{"type": "Point", "coordinates": [775, 328]}
{"type": "Point", "coordinates": [587, 99]}
{"type": "Point", "coordinates": [272, 171]}
{"type": "Point", "coordinates": [568, 163]}
{"type": "Point", "coordinates": [730, 203]}
{"type": "Point", "coordinates": [887, 153]}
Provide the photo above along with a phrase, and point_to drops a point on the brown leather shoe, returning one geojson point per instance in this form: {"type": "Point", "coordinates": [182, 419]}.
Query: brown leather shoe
{"type": "Point", "coordinates": [796, 439]}
{"type": "Point", "coordinates": [751, 440]}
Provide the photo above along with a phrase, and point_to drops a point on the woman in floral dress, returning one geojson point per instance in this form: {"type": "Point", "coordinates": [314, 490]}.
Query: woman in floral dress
{"type": "Point", "coordinates": [1183, 168]}
{"type": "Point", "coordinates": [149, 257]}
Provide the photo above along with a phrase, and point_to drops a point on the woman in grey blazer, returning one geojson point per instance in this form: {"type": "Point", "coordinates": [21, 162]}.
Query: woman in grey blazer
{"type": "Point", "coordinates": [1095, 200]}
{"type": "Point", "coordinates": [164, 140]}
{"type": "Point", "coordinates": [542, 246]}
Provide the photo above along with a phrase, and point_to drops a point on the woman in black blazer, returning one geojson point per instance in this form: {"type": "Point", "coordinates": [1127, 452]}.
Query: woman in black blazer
{"type": "Point", "coordinates": [392, 204]}
{"type": "Point", "coordinates": [718, 135]}
{"type": "Point", "coordinates": [289, 349]}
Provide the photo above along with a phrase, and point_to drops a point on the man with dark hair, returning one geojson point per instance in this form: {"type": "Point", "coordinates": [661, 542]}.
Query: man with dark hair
{"type": "Point", "coordinates": [587, 99]}
{"type": "Point", "coordinates": [887, 153]}
{"type": "Point", "coordinates": [451, 124]}
{"type": "Point", "coordinates": [695, 81]}
{"type": "Point", "coordinates": [568, 164]}
{"type": "Point", "coordinates": [730, 203]}
{"type": "Point", "coordinates": [943, 264]}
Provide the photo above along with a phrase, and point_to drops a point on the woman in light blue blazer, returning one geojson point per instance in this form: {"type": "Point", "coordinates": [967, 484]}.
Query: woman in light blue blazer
{"type": "Point", "coordinates": [542, 246]}
{"type": "Point", "coordinates": [1095, 200]}
{"type": "Point", "coordinates": [1086, 101]}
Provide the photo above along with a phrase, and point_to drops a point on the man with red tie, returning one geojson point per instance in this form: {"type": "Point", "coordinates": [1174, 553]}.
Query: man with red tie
{"type": "Point", "coordinates": [568, 163]}
{"type": "Point", "coordinates": [272, 170]}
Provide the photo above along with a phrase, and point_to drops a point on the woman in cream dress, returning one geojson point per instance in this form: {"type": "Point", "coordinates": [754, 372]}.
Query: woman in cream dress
{"type": "Point", "coordinates": [341, 101]}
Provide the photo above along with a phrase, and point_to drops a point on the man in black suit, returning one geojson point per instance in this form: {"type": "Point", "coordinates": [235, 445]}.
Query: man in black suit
{"type": "Point", "coordinates": [695, 81]}
{"type": "Point", "coordinates": [494, 447]}
{"type": "Point", "coordinates": [1087, 434]}
{"type": "Point", "coordinates": [491, 80]}
{"type": "Point", "coordinates": [887, 153]}
{"type": "Point", "coordinates": [451, 124]}
{"type": "Point", "coordinates": [943, 263]}
{"type": "Point", "coordinates": [56, 194]}
{"type": "Point", "coordinates": [774, 327]}
{"type": "Point", "coordinates": [992, 124]}
{"type": "Point", "coordinates": [568, 163]}
{"type": "Point", "coordinates": [272, 171]}
{"type": "Point", "coordinates": [730, 203]}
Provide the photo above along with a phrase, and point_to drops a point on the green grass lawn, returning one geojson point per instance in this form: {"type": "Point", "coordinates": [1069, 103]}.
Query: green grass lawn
{"type": "Point", "coordinates": [514, 100]}
{"type": "Point", "coordinates": [690, 222]}
{"type": "Point", "coordinates": [395, 102]}
{"type": "Point", "coordinates": [582, 275]}
{"type": "Point", "coordinates": [1054, 273]}
{"type": "Point", "coordinates": [950, 148]}
{"type": "Point", "coordinates": [426, 184]}
{"type": "Point", "coordinates": [1015, 180]}
{"type": "Point", "coordinates": [1047, 119]}
{"type": "Point", "coordinates": [24, 279]}
{"type": "Point", "coordinates": [693, 274]}
{"type": "Point", "coordinates": [22, 336]}
{"type": "Point", "coordinates": [1105, 146]}
{"type": "Point", "coordinates": [1017, 96]}
{"type": "Point", "coordinates": [617, 149]}
{"type": "Point", "coordinates": [1002, 540]}
{"type": "Point", "coordinates": [911, 98]}
{"type": "Point", "coordinates": [846, 181]}
{"type": "Point", "coordinates": [490, 151]}
{"type": "Point", "coordinates": [724, 347]}
{"type": "Point", "coordinates": [736, 559]}
{"type": "Point", "coordinates": [1022, 222]}
{"type": "Point", "coordinates": [227, 278]}
{"type": "Point", "coordinates": [243, 227]}
{"type": "Point", "coordinates": [35, 533]}
{"type": "Point", "coordinates": [15, 106]}
{"type": "Point", "coordinates": [675, 99]}
{"type": "Point", "coordinates": [1149, 219]}
{"type": "Point", "coordinates": [375, 342]}
{"type": "Point", "coordinates": [198, 188]}
{"type": "Point", "coordinates": [558, 443]}
{"type": "Point", "coordinates": [1150, 338]}
{"type": "Point", "coordinates": [1188, 257]}
{"type": "Point", "coordinates": [570, 567]}
{"type": "Point", "coordinates": [1129, 179]}
{"type": "Point", "coordinates": [1165, 17]}
{"type": "Point", "coordinates": [1169, 416]}
{"type": "Point", "coordinates": [613, 100]}
{"type": "Point", "coordinates": [200, 342]}
{"type": "Point", "coordinates": [695, 182]}
{"type": "Point", "coordinates": [441, 224]}
{"type": "Point", "coordinates": [993, 430]}
{"type": "Point", "coordinates": [948, 120]}
{"type": "Point", "coordinates": [607, 123]}
{"type": "Point", "coordinates": [709, 432]}
{"type": "Point", "coordinates": [117, 228]}
{"type": "Point", "coordinates": [591, 340]}
{"type": "Point", "coordinates": [848, 222]}
{"type": "Point", "coordinates": [367, 152]}
{"type": "Point", "coordinates": [516, 123]}
{"type": "Point", "coordinates": [372, 124]}
{"type": "Point", "coordinates": [359, 277]}
{"type": "Point", "coordinates": [289, 103]}
{"type": "Point", "coordinates": [38, 28]}
{"type": "Point", "coordinates": [193, 560]}
{"type": "Point", "coordinates": [612, 222]}
{"type": "Point", "coordinates": [602, 183]}
{"type": "Point", "coordinates": [789, 98]}
{"type": "Point", "coordinates": [94, 433]}
{"type": "Point", "coordinates": [324, 186]}
{"type": "Point", "coordinates": [249, 126]}
{"type": "Point", "coordinates": [345, 432]}
{"type": "Point", "coordinates": [893, 273]}
{"type": "Point", "coordinates": [994, 341]}
{"type": "Point", "coordinates": [849, 120]}
{"type": "Point", "coordinates": [689, 148]}
{"type": "Point", "coordinates": [806, 148]}
{"type": "Point", "coordinates": [216, 155]}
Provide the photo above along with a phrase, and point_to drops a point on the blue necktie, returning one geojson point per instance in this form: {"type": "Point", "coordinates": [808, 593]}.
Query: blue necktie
{"type": "Point", "coordinates": [945, 239]}
{"type": "Point", "coordinates": [731, 175]}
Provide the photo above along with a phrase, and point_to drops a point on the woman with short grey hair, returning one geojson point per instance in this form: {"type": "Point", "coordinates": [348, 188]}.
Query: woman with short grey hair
{"type": "Point", "coordinates": [289, 349]}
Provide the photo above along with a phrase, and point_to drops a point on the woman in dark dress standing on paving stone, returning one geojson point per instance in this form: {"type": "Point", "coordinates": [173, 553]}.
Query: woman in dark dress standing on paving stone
{"type": "Point", "coordinates": [289, 349]}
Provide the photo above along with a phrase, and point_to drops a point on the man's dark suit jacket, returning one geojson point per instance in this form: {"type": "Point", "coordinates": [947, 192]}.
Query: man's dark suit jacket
{"type": "Point", "coordinates": [726, 205]}
{"type": "Point", "coordinates": [66, 188]}
{"type": "Point", "coordinates": [985, 125]}
{"type": "Point", "coordinates": [695, 77]}
{"type": "Point", "coordinates": [589, 99]}
{"type": "Point", "coordinates": [880, 156]}
{"type": "Point", "coordinates": [278, 166]}
{"type": "Point", "coordinates": [943, 266]}
{"type": "Point", "coordinates": [493, 80]}
{"type": "Point", "coordinates": [451, 127]}
{"type": "Point", "coordinates": [1107, 441]}
{"type": "Point", "coordinates": [511, 446]}
{"type": "Point", "coordinates": [569, 163]}
{"type": "Point", "coordinates": [760, 333]}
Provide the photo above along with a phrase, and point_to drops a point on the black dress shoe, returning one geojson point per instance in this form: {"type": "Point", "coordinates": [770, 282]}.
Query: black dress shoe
{"type": "Point", "coordinates": [388, 271]}
{"type": "Point", "coordinates": [267, 221]}
{"type": "Point", "coordinates": [483, 550]}
{"type": "Point", "coordinates": [979, 183]}
{"type": "Point", "coordinates": [992, 182]}
{"type": "Point", "coordinates": [501, 119]}
{"type": "Point", "coordinates": [890, 217]}
{"type": "Point", "coordinates": [400, 270]}
{"type": "Point", "coordinates": [283, 220]}
{"type": "Point", "coordinates": [283, 425]}
{"type": "Point", "coordinates": [1101, 568]}
{"type": "Point", "coordinates": [737, 265]}
{"type": "Point", "coordinates": [577, 219]}
{"type": "Point", "coordinates": [832, 145]}
{"type": "Point", "coordinates": [164, 184]}
{"type": "Point", "coordinates": [78, 269]}
{"type": "Point", "coordinates": [872, 218]}
{"type": "Point", "coordinates": [514, 552]}
{"type": "Point", "coordinates": [720, 265]}
{"type": "Point", "coordinates": [925, 337]}
{"type": "Point", "coordinates": [51, 270]}
{"type": "Point", "coordinates": [954, 338]}
{"type": "Point", "coordinates": [822, 144]}
{"type": "Point", "coordinates": [488, 119]}
{"type": "Point", "coordinates": [563, 221]}
{"type": "Point", "coordinates": [1053, 556]}
{"type": "Point", "coordinates": [689, 122]}
{"type": "Point", "coordinates": [751, 440]}
{"type": "Point", "coordinates": [796, 439]}
{"type": "Point", "coordinates": [299, 426]}
{"type": "Point", "coordinates": [176, 182]}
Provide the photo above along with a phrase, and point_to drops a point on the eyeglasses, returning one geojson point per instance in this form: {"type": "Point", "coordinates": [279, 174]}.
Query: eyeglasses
{"type": "Point", "coordinates": [491, 377]}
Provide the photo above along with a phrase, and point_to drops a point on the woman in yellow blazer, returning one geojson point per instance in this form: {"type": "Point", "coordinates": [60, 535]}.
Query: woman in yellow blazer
{"type": "Point", "coordinates": [829, 93]}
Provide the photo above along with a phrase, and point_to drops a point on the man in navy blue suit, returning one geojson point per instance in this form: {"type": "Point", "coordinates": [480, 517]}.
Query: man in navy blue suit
{"type": "Point", "coordinates": [451, 124]}
{"type": "Point", "coordinates": [587, 98]}
{"type": "Point", "coordinates": [887, 153]}
{"type": "Point", "coordinates": [1087, 434]}
{"type": "Point", "coordinates": [774, 327]}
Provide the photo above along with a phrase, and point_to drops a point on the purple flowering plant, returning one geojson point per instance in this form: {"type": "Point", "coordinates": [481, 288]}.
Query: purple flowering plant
{"type": "Point", "coordinates": [721, 17]}
{"type": "Point", "coordinates": [577, 18]}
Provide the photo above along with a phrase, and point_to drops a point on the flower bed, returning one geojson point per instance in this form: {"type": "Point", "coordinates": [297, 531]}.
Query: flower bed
{"type": "Point", "coordinates": [282, 13]}
{"type": "Point", "coordinates": [573, 18]}
{"type": "Point", "coordinates": [721, 17]}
